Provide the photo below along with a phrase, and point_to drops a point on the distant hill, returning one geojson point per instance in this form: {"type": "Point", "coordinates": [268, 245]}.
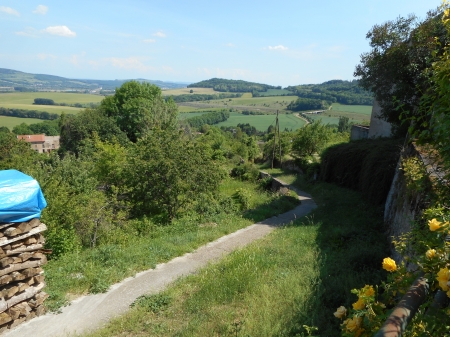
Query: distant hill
{"type": "Point", "coordinates": [30, 82]}
{"type": "Point", "coordinates": [335, 91]}
{"type": "Point", "coordinates": [223, 85]}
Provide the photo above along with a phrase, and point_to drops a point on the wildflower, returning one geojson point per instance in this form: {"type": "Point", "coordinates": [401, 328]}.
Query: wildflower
{"type": "Point", "coordinates": [368, 291]}
{"type": "Point", "coordinates": [341, 312]}
{"type": "Point", "coordinates": [389, 264]}
{"type": "Point", "coordinates": [430, 253]}
{"type": "Point", "coordinates": [359, 304]}
{"type": "Point", "coordinates": [354, 325]}
{"type": "Point", "coordinates": [434, 224]}
{"type": "Point", "coordinates": [443, 278]}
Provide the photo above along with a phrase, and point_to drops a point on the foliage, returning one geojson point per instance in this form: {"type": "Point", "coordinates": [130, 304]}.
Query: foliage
{"type": "Point", "coordinates": [22, 113]}
{"type": "Point", "coordinates": [311, 139]}
{"type": "Point", "coordinates": [202, 97]}
{"type": "Point", "coordinates": [76, 130]}
{"type": "Point", "coordinates": [165, 173]}
{"type": "Point", "coordinates": [44, 101]}
{"type": "Point", "coordinates": [366, 165]}
{"type": "Point", "coordinates": [396, 69]}
{"type": "Point", "coordinates": [285, 142]}
{"type": "Point", "coordinates": [302, 104]}
{"type": "Point", "coordinates": [245, 172]}
{"type": "Point", "coordinates": [220, 84]}
{"type": "Point", "coordinates": [138, 108]}
{"type": "Point", "coordinates": [208, 118]}
{"type": "Point", "coordinates": [344, 92]}
{"type": "Point", "coordinates": [49, 128]}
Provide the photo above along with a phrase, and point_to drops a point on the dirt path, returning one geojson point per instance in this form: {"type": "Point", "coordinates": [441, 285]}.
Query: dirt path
{"type": "Point", "coordinates": [93, 311]}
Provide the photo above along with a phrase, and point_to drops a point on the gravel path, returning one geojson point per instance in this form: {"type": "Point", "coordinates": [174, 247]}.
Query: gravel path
{"type": "Point", "coordinates": [93, 311]}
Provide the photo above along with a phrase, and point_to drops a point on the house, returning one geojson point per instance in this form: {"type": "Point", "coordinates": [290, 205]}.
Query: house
{"type": "Point", "coordinates": [41, 143]}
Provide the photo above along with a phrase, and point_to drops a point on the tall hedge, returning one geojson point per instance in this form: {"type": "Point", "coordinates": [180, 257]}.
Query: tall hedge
{"type": "Point", "coordinates": [367, 166]}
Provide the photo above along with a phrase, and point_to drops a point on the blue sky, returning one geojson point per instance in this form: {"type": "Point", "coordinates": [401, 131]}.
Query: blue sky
{"type": "Point", "coordinates": [280, 43]}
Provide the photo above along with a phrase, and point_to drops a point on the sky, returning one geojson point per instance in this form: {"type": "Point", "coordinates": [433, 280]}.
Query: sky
{"type": "Point", "coordinates": [279, 43]}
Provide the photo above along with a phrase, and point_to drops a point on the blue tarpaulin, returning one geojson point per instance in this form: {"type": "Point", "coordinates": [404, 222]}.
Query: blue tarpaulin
{"type": "Point", "coordinates": [21, 197]}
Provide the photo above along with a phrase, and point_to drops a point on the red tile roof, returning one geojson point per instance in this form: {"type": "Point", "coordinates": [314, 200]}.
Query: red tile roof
{"type": "Point", "coordinates": [32, 138]}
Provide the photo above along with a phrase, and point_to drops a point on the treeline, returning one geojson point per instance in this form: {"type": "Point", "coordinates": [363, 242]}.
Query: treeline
{"type": "Point", "coordinates": [202, 97]}
{"type": "Point", "coordinates": [335, 91]}
{"type": "Point", "coordinates": [220, 84]}
{"type": "Point", "coordinates": [22, 113]}
{"type": "Point", "coordinates": [302, 104]}
{"type": "Point", "coordinates": [49, 128]}
{"type": "Point", "coordinates": [209, 118]}
{"type": "Point", "coordinates": [48, 101]}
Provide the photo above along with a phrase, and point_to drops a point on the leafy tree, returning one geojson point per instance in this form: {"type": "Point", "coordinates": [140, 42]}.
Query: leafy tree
{"type": "Point", "coordinates": [22, 129]}
{"type": "Point", "coordinates": [74, 130]}
{"type": "Point", "coordinates": [396, 69]}
{"type": "Point", "coordinates": [310, 139]}
{"type": "Point", "coordinates": [166, 172]}
{"type": "Point", "coordinates": [344, 124]}
{"type": "Point", "coordinates": [4, 129]}
{"type": "Point", "coordinates": [44, 101]}
{"type": "Point", "coordinates": [138, 108]}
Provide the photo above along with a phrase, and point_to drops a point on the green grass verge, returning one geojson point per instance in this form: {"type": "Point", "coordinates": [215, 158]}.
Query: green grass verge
{"type": "Point", "coordinates": [94, 270]}
{"type": "Point", "coordinates": [295, 277]}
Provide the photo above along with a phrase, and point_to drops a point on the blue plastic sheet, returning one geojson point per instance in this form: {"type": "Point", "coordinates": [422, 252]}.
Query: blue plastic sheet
{"type": "Point", "coordinates": [21, 197]}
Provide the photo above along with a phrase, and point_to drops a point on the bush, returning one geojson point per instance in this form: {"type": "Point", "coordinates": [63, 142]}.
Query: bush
{"type": "Point", "coordinates": [245, 172]}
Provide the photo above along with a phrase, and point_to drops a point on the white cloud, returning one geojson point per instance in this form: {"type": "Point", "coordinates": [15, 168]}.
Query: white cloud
{"type": "Point", "coordinates": [231, 45]}
{"type": "Point", "coordinates": [60, 31]}
{"type": "Point", "coordinates": [159, 34]}
{"type": "Point", "coordinates": [41, 9]}
{"type": "Point", "coordinates": [9, 10]}
{"type": "Point", "coordinates": [44, 57]}
{"type": "Point", "coordinates": [29, 31]}
{"type": "Point", "coordinates": [149, 40]}
{"type": "Point", "coordinates": [279, 47]}
{"type": "Point", "coordinates": [77, 58]}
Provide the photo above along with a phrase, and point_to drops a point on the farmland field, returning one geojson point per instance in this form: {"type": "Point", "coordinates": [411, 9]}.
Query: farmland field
{"type": "Point", "coordinates": [355, 113]}
{"type": "Point", "coordinates": [24, 100]}
{"type": "Point", "coordinates": [11, 122]}
{"type": "Point", "coordinates": [262, 122]}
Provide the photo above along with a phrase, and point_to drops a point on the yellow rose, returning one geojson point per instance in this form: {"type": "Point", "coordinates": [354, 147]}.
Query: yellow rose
{"type": "Point", "coordinates": [434, 224]}
{"type": "Point", "coordinates": [353, 324]}
{"type": "Point", "coordinates": [368, 291]}
{"type": "Point", "coordinates": [389, 264]}
{"type": "Point", "coordinates": [341, 312]}
{"type": "Point", "coordinates": [359, 304]}
{"type": "Point", "coordinates": [443, 278]}
{"type": "Point", "coordinates": [430, 253]}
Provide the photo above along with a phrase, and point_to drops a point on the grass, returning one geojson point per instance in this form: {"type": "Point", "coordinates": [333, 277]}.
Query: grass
{"type": "Point", "coordinates": [262, 122]}
{"type": "Point", "coordinates": [295, 277]}
{"type": "Point", "coordinates": [11, 122]}
{"type": "Point", "coordinates": [94, 270]}
{"type": "Point", "coordinates": [355, 113]}
{"type": "Point", "coordinates": [24, 100]}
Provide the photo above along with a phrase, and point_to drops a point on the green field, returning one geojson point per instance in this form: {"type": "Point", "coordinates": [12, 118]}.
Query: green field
{"type": "Point", "coordinates": [184, 91]}
{"type": "Point", "coordinates": [11, 122]}
{"type": "Point", "coordinates": [24, 100]}
{"type": "Point", "coordinates": [262, 122]}
{"type": "Point", "coordinates": [356, 114]}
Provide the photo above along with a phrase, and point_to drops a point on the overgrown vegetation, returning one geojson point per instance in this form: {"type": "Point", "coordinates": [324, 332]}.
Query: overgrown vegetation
{"type": "Point", "coordinates": [367, 166]}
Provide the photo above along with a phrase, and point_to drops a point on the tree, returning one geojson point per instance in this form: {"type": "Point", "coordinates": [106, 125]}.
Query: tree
{"type": "Point", "coordinates": [310, 139]}
{"type": "Point", "coordinates": [344, 124]}
{"type": "Point", "coordinates": [166, 172]}
{"type": "Point", "coordinates": [397, 68]}
{"type": "Point", "coordinates": [74, 130]}
{"type": "Point", "coordinates": [22, 129]}
{"type": "Point", "coordinates": [139, 107]}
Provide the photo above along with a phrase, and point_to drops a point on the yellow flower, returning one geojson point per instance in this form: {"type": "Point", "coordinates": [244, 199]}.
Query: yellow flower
{"type": "Point", "coordinates": [359, 304]}
{"type": "Point", "coordinates": [434, 224]}
{"type": "Point", "coordinates": [389, 264]}
{"type": "Point", "coordinates": [341, 312]}
{"type": "Point", "coordinates": [430, 253]}
{"type": "Point", "coordinates": [353, 324]}
{"type": "Point", "coordinates": [368, 291]}
{"type": "Point", "coordinates": [443, 278]}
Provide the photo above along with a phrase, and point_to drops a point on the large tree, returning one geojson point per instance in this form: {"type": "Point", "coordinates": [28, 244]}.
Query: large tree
{"type": "Point", "coordinates": [396, 69]}
{"type": "Point", "coordinates": [139, 107]}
